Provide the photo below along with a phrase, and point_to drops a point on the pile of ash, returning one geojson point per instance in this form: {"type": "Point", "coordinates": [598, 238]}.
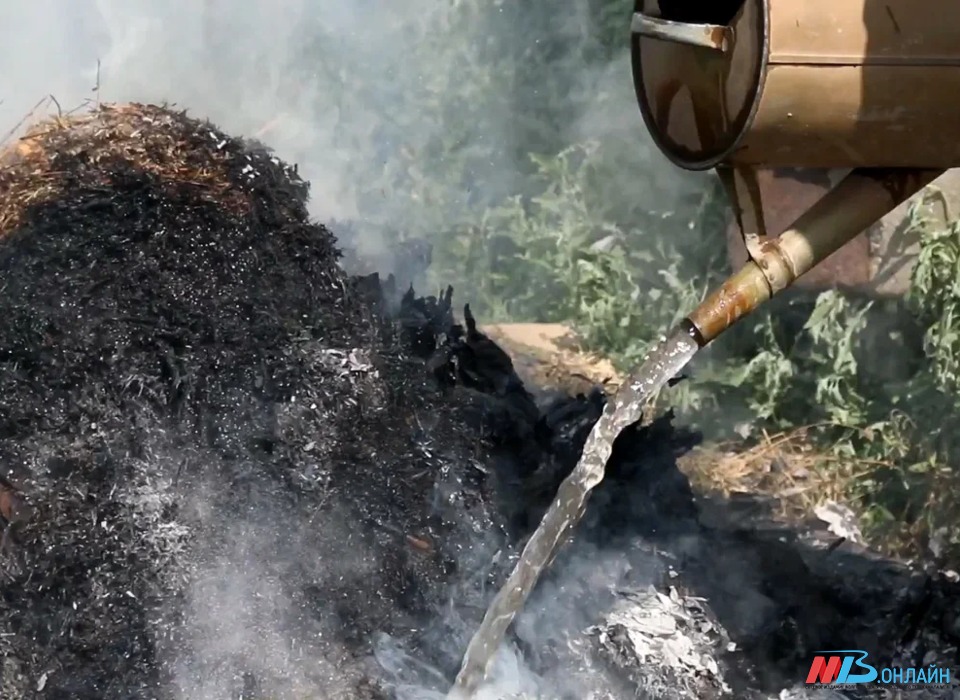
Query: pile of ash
{"type": "Point", "coordinates": [232, 471]}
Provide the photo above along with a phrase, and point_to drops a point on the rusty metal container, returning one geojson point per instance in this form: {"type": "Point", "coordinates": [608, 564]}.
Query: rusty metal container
{"type": "Point", "coordinates": [781, 97]}
{"type": "Point", "coordinates": [800, 83]}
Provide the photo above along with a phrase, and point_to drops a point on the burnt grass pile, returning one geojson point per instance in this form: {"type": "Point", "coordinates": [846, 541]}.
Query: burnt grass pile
{"type": "Point", "coordinates": [228, 467]}
{"type": "Point", "coordinates": [199, 408]}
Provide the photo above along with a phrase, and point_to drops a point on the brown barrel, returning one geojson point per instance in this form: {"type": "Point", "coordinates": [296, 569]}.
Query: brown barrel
{"type": "Point", "coordinates": [800, 83]}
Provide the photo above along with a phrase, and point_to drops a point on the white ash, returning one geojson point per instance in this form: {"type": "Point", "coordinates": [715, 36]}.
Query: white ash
{"type": "Point", "coordinates": [666, 631]}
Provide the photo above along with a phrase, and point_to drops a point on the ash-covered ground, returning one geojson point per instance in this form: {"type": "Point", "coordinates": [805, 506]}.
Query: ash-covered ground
{"type": "Point", "coordinates": [233, 471]}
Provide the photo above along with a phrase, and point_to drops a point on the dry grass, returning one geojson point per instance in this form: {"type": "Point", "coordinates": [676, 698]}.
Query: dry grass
{"type": "Point", "coordinates": [800, 476]}
{"type": "Point", "coordinates": [784, 466]}
{"type": "Point", "coordinates": [31, 171]}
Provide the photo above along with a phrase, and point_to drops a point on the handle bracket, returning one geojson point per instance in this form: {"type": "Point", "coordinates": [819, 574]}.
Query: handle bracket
{"type": "Point", "coordinates": [710, 36]}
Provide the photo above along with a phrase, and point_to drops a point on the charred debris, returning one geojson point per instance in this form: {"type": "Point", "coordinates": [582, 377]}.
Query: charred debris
{"type": "Point", "coordinates": [231, 470]}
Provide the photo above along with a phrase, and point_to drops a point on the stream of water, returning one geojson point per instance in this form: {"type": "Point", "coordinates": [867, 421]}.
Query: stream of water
{"type": "Point", "coordinates": [660, 365]}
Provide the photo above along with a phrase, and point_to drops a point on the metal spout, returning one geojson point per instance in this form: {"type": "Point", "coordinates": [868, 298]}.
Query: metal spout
{"type": "Point", "coordinates": [858, 201]}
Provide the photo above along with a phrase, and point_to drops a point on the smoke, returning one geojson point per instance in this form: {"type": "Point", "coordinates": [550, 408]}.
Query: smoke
{"type": "Point", "coordinates": [353, 91]}
{"type": "Point", "coordinates": [244, 614]}
{"type": "Point", "coordinates": [552, 654]}
{"type": "Point", "coordinates": [407, 117]}
{"type": "Point", "coordinates": [646, 177]}
{"type": "Point", "coordinates": [245, 65]}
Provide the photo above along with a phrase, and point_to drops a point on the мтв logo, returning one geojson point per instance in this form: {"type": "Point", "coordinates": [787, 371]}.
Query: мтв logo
{"type": "Point", "coordinates": [836, 668]}
{"type": "Point", "coordinates": [847, 666]}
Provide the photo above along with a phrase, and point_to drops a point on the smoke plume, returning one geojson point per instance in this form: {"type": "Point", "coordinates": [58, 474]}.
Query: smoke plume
{"type": "Point", "coordinates": [406, 117]}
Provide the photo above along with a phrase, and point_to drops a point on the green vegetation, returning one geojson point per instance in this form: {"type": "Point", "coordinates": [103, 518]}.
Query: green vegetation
{"type": "Point", "coordinates": [526, 164]}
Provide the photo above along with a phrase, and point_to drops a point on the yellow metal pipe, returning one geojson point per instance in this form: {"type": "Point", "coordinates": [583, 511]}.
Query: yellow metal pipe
{"type": "Point", "coordinates": [858, 201]}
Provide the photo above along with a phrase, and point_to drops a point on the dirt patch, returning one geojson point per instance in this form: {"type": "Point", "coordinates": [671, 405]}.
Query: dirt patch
{"type": "Point", "coordinates": [550, 356]}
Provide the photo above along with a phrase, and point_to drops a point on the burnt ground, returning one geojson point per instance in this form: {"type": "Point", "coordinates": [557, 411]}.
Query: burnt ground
{"type": "Point", "coordinates": [232, 471]}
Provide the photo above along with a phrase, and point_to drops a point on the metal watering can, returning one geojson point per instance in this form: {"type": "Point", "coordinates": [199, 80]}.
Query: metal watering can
{"type": "Point", "coordinates": [866, 87]}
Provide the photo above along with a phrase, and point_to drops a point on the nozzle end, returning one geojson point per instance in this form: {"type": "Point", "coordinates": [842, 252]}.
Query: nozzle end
{"type": "Point", "coordinates": [738, 296]}
{"type": "Point", "coordinates": [686, 326]}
